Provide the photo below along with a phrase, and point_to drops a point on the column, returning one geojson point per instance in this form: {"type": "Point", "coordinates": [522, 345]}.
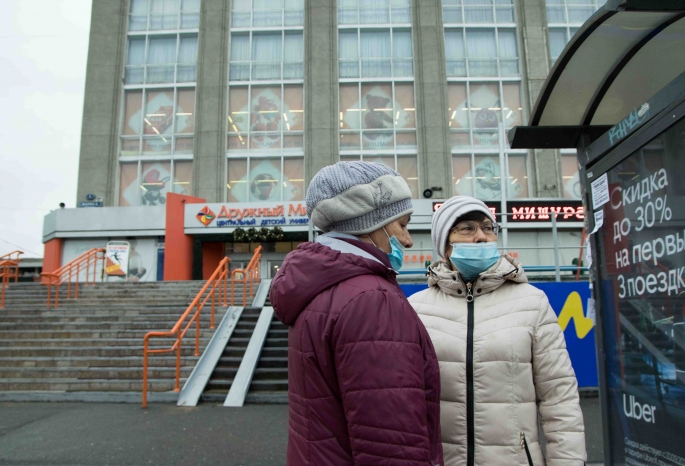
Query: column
{"type": "Point", "coordinates": [532, 20]}
{"type": "Point", "coordinates": [435, 158]}
{"type": "Point", "coordinates": [320, 86]}
{"type": "Point", "coordinates": [104, 83]}
{"type": "Point", "coordinates": [209, 167]}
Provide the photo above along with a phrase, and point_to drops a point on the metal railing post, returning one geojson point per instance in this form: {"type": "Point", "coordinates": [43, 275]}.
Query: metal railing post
{"type": "Point", "coordinates": [197, 327]}
{"type": "Point", "coordinates": [555, 237]}
{"type": "Point", "coordinates": [145, 356]}
{"type": "Point", "coordinates": [177, 387]}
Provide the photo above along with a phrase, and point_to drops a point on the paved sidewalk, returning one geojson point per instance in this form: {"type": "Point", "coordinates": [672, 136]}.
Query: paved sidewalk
{"type": "Point", "coordinates": [94, 434]}
{"type": "Point", "coordinates": [101, 434]}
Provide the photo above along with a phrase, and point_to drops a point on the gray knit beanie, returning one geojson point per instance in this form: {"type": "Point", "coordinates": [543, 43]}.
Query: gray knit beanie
{"type": "Point", "coordinates": [357, 197]}
{"type": "Point", "coordinates": [448, 213]}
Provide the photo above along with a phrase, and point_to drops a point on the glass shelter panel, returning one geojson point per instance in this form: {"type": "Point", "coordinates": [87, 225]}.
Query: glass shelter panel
{"type": "Point", "coordinates": [642, 263]}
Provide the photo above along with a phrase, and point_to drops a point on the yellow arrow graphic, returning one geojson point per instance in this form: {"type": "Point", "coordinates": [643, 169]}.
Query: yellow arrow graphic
{"type": "Point", "coordinates": [573, 309]}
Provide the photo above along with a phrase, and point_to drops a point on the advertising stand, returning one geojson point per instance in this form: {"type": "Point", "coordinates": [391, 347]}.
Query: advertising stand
{"type": "Point", "coordinates": [637, 192]}
{"type": "Point", "coordinates": [617, 96]}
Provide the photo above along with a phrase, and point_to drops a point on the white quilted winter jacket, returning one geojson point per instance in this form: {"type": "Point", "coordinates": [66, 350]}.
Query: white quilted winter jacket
{"type": "Point", "coordinates": [520, 367]}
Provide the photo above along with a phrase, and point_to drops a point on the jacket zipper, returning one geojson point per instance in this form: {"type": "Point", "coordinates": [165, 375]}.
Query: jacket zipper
{"type": "Point", "coordinates": [470, 428]}
{"type": "Point", "coordinates": [524, 445]}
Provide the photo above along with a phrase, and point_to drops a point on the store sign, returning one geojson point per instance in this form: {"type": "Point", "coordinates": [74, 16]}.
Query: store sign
{"type": "Point", "coordinates": [641, 254]}
{"type": "Point", "coordinates": [90, 204]}
{"type": "Point", "coordinates": [536, 211]}
{"type": "Point", "coordinates": [237, 215]}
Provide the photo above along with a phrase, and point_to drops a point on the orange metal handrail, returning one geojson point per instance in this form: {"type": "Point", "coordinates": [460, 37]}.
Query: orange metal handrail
{"type": "Point", "coordinates": [250, 274]}
{"type": "Point", "coordinates": [73, 269]}
{"type": "Point", "coordinates": [6, 273]}
{"type": "Point", "coordinates": [13, 258]}
{"type": "Point", "coordinates": [218, 280]}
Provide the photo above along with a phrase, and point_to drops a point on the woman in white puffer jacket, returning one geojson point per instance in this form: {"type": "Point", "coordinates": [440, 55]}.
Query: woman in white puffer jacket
{"type": "Point", "coordinates": [502, 354]}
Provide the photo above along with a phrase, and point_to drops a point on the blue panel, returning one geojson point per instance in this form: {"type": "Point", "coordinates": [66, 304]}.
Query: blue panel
{"type": "Point", "coordinates": [581, 350]}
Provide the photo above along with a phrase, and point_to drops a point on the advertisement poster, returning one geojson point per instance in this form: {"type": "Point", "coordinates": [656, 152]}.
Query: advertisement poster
{"type": "Point", "coordinates": [142, 258]}
{"type": "Point", "coordinates": [116, 259]}
{"type": "Point", "coordinates": [642, 278]}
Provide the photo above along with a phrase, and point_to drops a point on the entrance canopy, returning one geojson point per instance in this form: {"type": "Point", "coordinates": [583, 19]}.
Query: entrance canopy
{"type": "Point", "coordinates": [621, 57]}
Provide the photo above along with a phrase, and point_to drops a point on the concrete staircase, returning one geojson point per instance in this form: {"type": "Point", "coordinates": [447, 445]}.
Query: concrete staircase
{"type": "Point", "coordinates": [91, 348]}
{"type": "Point", "coordinates": [270, 380]}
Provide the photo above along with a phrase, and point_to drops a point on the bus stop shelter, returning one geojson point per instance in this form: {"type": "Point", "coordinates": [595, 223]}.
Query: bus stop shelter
{"type": "Point", "coordinates": [617, 96]}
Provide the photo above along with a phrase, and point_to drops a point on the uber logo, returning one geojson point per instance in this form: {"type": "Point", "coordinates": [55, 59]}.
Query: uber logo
{"type": "Point", "coordinates": [639, 412]}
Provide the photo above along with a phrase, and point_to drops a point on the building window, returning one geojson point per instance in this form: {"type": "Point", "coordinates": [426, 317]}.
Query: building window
{"type": "Point", "coordinates": [375, 54]}
{"type": "Point", "coordinates": [570, 175]}
{"type": "Point", "coordinates": [161, 59]}
{"type": "Point", "coordinates": [482, 52]}
{"type": "Point", "coordinates": [405, 164]}
{"type": "Point", "coordinates": [374, 11]}
{"type": "Point", "coordinates": [158, 122]}
{"type": "Point", "coordinates": [478, 11]}
{"type": "Point", "coordinates": [564, 18]}
{"type": "Point", "coordinates": [265, 127]}
{"type": "Point", "coordinates": [267, 56]}
{"type": "Point", "coordinates": [479, 175]}
{"type": "Point", "coordinates": [158, 104]}
{"type": "Point", "coordinates": [377, 116]}
{"type": "Point", "coordinates": [262, 179]}
{"type": "Point", "coordinates": [157, 15]}
{"type": "Point", "coordinates": [477, 108]}
{"type": "Point", "coordinates": [266, 118]}
{"type": "Point", "coordinates": [484, 95]}
{"type": "Point", "coordinates": [148, 183]}
{"type": "Point", "coordinates": [267, 13]}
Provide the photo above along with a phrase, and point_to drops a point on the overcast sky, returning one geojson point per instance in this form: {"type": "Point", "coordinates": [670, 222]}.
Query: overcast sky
{"type": "Point", "coordinates": [43, 49]}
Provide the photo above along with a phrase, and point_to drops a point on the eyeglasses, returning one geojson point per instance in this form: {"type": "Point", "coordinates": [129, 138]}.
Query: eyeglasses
{"type": "Point", "coordinates": [471, 228]}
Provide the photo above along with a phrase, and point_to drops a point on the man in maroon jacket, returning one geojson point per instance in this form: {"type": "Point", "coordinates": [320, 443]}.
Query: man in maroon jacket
{"type": "Point", "coordinates": [363, 377]}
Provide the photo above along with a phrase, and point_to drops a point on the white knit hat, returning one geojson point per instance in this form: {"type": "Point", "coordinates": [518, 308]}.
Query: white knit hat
{"type": "Point", "coordinates": [448, 213]}
{"type": "Point", "coordinates": [357, 197]}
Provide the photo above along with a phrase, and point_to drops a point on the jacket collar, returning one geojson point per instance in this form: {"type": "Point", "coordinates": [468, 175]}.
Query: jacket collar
{"type": "Point", "coordinates": [352, 245]}
{"type": "Point", "coordinates": [450, 281]}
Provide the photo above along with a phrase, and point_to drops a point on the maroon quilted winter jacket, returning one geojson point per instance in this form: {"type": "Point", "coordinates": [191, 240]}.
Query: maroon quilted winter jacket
{"type": "Point", "coordinates": [363, 377]}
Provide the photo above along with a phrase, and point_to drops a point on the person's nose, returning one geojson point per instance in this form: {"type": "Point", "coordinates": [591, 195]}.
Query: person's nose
{"type": "Point", "coordinates": [480, 236]}
{"type": "Point", "coordinates": [407, 241]}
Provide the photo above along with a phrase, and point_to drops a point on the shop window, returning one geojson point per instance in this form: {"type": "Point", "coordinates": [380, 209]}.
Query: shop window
{"type": "Point", "coordinates": [128, 181]}
{"type": "Point", "coordinates": [479, 175]}
{"type": "Point", "coordinates": [166, 123]}
{"type": "Point", "coordinates": [183, 176]}
{"type": "Point", "coordinates": [148, 183]}
{"type": "Point", "coordinates": [272, 120]}
{"type": "Point", "coordinates": [261, 179]}
{"type": "Point", "coordinates": [237, 180]}
{"type": "Point", "coordinates": [384, 112]}
{"type": "Point", "coordinates": [476, 110]}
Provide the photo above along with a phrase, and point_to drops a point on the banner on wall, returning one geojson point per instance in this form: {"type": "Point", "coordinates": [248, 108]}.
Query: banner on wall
{"type": "Point", "coordinates": [116, 258]}
{"type": "Point", "coordinates": [570, 303]}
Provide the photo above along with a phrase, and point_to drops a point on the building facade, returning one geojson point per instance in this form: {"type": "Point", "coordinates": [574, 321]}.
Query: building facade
{"type": "Point", "coordinates": [241, 102]}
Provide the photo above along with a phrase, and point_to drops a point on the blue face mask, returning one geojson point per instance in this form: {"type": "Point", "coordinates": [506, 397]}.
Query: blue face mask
{"type": "Point", "coordinates": [396, 255]}
{"type": "Point", "coordinates": [472, 259]}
